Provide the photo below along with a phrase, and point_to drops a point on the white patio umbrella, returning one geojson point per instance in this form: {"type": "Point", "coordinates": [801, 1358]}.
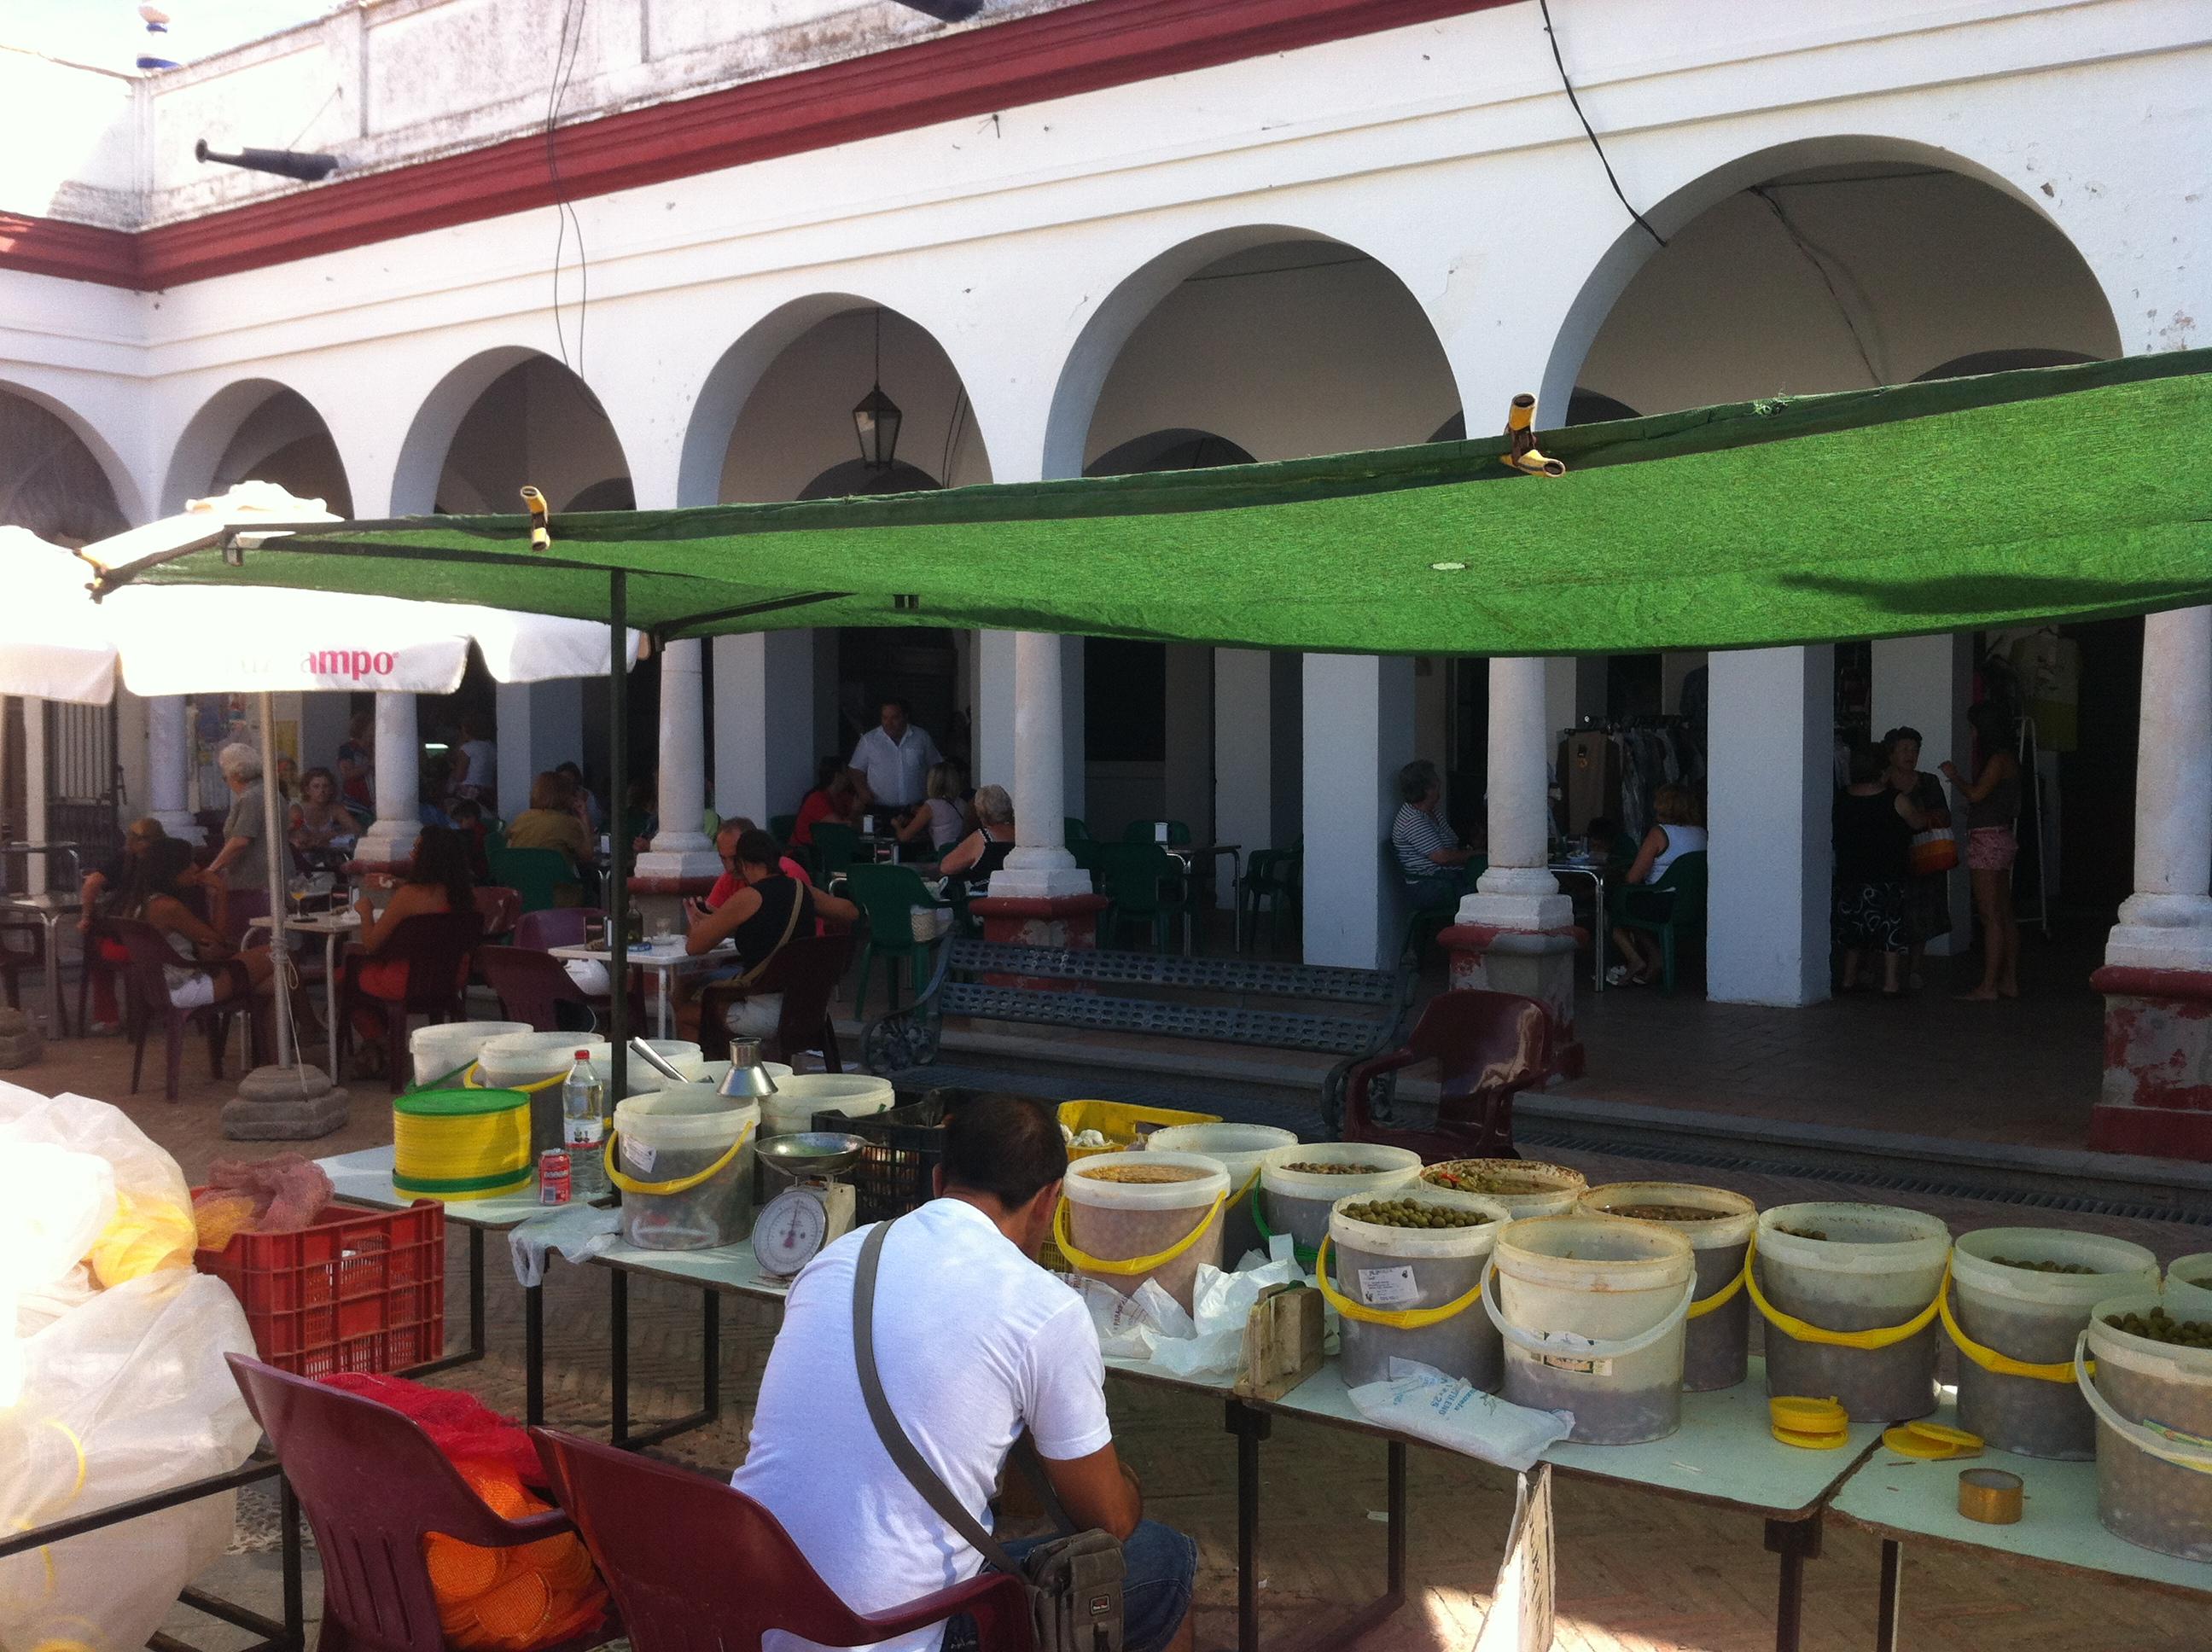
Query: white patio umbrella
{"type": "Point", "coordinates": [171, 640]}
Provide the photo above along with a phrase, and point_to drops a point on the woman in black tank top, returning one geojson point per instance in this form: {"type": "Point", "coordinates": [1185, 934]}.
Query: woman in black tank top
{"type": "Point", "coordinates": [758, 917]}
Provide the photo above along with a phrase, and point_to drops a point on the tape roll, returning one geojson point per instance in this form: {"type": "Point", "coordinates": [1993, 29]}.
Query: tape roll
{"type": "Point", "coordinates": [1992, 1496]}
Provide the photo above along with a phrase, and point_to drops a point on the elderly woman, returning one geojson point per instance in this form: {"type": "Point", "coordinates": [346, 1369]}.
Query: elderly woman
{"type": "Point", "coordinates": [1429, 854]}
{"type": "Point", "coordinates": [241, 862]}
{"type": "Point", "coordinates": [984, 850]}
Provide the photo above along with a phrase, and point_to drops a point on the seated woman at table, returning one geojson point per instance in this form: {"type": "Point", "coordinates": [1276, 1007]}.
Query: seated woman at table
{"type": "Point", "coordinates": [768, 910]}
{"type": "Point", "coordinates": [209, 968]}
{"type": "Point", "coordinates": [436, 881]}
{"type": "Point", "coordinates": [833, 799]}
{"type": "Point", "coordinates": [937, 820]}
{"type": "Point", "coordinates": [984, 850]}
{"type": "Point", "coordinates": [1667, 841]}
{"type": "Point", "coordinates": [549, 824]}
{"type": "Point", "coordinates": [322, 829]}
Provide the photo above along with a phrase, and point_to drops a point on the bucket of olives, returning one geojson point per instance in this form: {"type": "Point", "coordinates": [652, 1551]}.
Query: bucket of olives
{"type": "Point", "coordinates": [2189, 1285]}
{"type": "Point", "coordinates": [1717, 1224]}
{"type": "Point", "coordinates": [2152, 1394]}
{"type": "Point", "coordinates": [1526, 1187]}
{"type": "Point", "coordinates": [1421, 1250]}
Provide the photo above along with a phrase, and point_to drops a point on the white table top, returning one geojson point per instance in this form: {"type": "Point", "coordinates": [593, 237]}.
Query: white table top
{"type": "Point", "coordinates": [364, 1176]}
{"type": "Point", "coordinates": [1908, 1498]}
{"type": "Point", "coordinates": [315, 923]}
{"type": "Point", "coordinates": [664, 952]}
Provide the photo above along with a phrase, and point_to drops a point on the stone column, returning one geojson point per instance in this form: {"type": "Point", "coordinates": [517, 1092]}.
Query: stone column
{"type": "Point", "coordinates": [998, 695]}
{"type": "Point", "coordinates": [1770, 796]}
{"type": "Point", "coordinates": [389, 843]}
{"type": "Point", "coordinates": [168, 766]}
{"type": "Point", "coordinates": [2157, 978]}
{"type": "Point", "coordinates": [1516, 931]}
{"type": "Point", "coordinates": [35, 795]}
{"type": "Point", "coordinates": [681, 859]}
{"type": "Point", "coordinates": [1358, 734]}
{"type": "Point", "coordinates": [764, 740]}
{"type": "Point", "coordinates": [1041, 897]}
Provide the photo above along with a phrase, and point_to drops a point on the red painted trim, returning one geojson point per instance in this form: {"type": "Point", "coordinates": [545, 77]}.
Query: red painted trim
{"type": "Point", "coordinates": [52, 246]}
{"type": "Point", "coordinates": [1084, 48]}
{"type": "Point", "coordinates": [2132, 980]}
{"type": "Point", "coordinates": [2150, 1132]}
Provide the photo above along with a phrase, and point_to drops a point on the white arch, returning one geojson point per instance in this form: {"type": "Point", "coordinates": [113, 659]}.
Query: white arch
{"type": "Point", "coordinates": [207, 435]}
{"type": "Point", "coordinates": [1632, 248]}
{"type": "Point", "coordinates": [128, 498]}
{"type": "Point", "coordinates": [737, 372]}
{"type": "Point", "coordinates": [438, 420]}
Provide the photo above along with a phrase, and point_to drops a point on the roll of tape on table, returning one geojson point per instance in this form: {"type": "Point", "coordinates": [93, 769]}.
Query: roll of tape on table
{"type": "Point", "coordinates": [1990, 1496]}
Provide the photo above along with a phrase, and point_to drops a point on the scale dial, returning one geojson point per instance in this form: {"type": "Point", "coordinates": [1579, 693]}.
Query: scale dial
{"type": "Point", "coordinates": [790, 1232]}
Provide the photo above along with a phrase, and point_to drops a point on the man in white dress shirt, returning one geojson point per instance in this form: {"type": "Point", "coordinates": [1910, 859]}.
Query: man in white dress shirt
{"type": "Point", "coordinates": [892, 763]}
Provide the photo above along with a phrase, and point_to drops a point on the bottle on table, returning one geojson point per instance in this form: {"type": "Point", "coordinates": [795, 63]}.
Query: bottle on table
{"type": "Point", "coordinates": [584, 1128]}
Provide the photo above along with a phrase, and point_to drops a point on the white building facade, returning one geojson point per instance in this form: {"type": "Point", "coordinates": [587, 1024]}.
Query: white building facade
{"type": "Point", "coordinates": [1084, 235]}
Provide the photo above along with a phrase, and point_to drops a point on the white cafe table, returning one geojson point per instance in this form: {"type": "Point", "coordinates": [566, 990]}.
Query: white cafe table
{"type": "Point", "coordinates": [664, 955]}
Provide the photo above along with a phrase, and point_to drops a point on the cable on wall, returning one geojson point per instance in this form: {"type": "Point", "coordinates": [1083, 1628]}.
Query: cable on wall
{"type": "Point", "coordinates": [564, 69]}
{"type": "Point", "coordinates": [1552, 35]}
{"type": "Point", "coordinates": [1820, 260]}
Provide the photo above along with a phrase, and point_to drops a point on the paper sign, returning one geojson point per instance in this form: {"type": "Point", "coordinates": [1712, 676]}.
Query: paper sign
{"type": "Point", "coordinates": [637, 1155]}
{"type": "Point", "coordinates": [1520, 1619]}
{"type": "Point", "coordinates": [1388, 1287]}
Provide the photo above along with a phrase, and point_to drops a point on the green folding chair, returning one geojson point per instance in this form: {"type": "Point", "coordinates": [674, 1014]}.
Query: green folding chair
{"type": "Point", "coordinates": [781, 827]}
{"type": "Point", "coordinates": [836, 847]}
{"type": "Point", "coordinates": [1137, 879]}
{"type": "Point", "coordinates": [1073, 828]}
{"type": "Point", "coordinates": [889, 897]}
{"type": "Point", "coordinates": [1681, 914]}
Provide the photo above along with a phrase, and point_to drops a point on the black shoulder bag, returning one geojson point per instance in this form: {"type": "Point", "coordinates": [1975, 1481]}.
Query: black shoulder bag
{"type": "Point", "coordinates": [1074, 1581]}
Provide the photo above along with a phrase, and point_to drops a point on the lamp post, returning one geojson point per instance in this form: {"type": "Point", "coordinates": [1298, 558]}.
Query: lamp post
{"type": "Point", "coordinates": [875, 418]}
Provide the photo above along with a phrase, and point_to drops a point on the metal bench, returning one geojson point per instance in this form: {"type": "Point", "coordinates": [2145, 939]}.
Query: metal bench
{"type": "Point", "coordinates": [987, 981]}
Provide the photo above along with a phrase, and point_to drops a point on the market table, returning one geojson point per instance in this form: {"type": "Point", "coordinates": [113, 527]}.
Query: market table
{"type": "Point", "coordinates": [1903, 1498]}
{"type": "Point", "coordinates": [664, 955]}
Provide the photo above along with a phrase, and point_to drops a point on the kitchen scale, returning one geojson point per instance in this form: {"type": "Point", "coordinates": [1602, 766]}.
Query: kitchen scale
{"type": "Point", "coordinates": [815, 1210]}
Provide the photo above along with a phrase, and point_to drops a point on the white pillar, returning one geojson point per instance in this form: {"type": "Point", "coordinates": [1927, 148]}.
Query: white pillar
{"type": "Point", "coordinates": [681, 849]}
{"type": "Point", "coordinates": [34, 791]}
{"type": "Point", "coordinates": [998, 695]}
{"type": "Point", "coordinates": [390, 840]}
{"type": "Point", "coordinates": [1040, 866]}
{"type": "Point", "coordinates": [2166, 924]}
{"type": "Point", "coordinates": [1770, 789]}
{"type": "Point", "coordinates": [1358, 733]}
{"type": "Point", "coordinates": [1516, 892]}
{"type": "Point", "coordinates": [168, 766]}
{"type": "Point", "coordinates": [1257, 773]}
{"type": "Point", "coordinates": [764, 741]}
{"type": "Point", "coordinates": [1925, 682]}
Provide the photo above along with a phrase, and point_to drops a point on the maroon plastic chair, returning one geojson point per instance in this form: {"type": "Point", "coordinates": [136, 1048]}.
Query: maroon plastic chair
{"type": "Point", "coordinates": [148, 996]}
{"type": "Point", "coordinates": [240, 909]}
{"type": "Point", "coordinates": [373, 1486]}
{"type": "Point", "coordinates": [807, 971]}
{"type": "Point", "coordinates": [500, 908]}
{"type": "Point", "coordinates": [530, 984]}
{"type": "Point", "coordinates": [439, 948]}
{"type": "Point", "coordinates": [555, 926]}
{"type": "Point", "coordinates": [694, 1563]}
{"type": "Point", "coordinates": [1489, 1046]}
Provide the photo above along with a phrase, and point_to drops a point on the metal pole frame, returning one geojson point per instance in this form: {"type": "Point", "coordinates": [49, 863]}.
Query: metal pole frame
{"type": "Point", "coordinates": [617, 803]}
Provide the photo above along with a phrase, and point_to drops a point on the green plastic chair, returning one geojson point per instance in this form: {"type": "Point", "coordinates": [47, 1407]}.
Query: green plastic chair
{"type": "Point", "coordinates": [1274, 880]}
{"type": "Point", "coordinates": [888, 896]}
{"type": "Point", "coordinates": [836, 847]}
{"type": "Point", "coordinates": [1073, 828]}
{"type": "Point", "coordinates": [495, 837]}
{"type": "Point", "coordinates": [1086, 851]}
{"type": "Point", "coordinates": [781, 827]}
{"type": "Point", "coordinates": [1137, 879]}
{"type": "Point", "coordinates": [538, 876]}
{"type": "Point", "coordinates": [1684, 914]}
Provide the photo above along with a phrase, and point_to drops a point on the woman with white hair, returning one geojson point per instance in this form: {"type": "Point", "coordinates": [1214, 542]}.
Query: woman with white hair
{"type": "Point", "coordinates": [241, 863]}
{"type": "Point", "coordinates": [984, 850]}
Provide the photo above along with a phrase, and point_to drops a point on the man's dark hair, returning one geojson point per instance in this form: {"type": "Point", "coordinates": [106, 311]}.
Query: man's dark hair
{"type": "Point", "coordinates": [904, 710]}
{"type": "Point", "coordinates": [1004, 1146]}
{"type": "Point", "coordinates": [1415, 778]}
{"type": "Point", "coordinates": [757, 849]}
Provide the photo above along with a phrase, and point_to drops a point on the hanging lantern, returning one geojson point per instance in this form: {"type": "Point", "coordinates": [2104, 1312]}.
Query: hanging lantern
{"type": "Point", "coordinates": [876, 418]}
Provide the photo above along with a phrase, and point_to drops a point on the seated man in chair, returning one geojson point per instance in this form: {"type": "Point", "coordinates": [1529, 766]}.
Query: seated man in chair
{"type": "Point", "coordinates": [974, 1344]}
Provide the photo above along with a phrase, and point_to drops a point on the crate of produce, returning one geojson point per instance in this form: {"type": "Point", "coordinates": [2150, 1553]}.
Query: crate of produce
{"type": "Point", "coordinates": [905, 1147]}
{"type": "Point", "coordinates": [360, 1291]}
{"type": "Point", "coordinates": [1124, 1124]}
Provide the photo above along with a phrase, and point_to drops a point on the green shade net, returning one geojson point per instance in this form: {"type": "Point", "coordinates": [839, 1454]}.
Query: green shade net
{"type": "Point", "coordinates": [2062, 493]}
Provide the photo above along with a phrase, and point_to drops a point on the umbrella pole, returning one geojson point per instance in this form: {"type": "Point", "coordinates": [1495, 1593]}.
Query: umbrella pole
{"type": "Point", "coordinates": [617, 788]}
{"type": "Point", "coordinates": [272, 847]}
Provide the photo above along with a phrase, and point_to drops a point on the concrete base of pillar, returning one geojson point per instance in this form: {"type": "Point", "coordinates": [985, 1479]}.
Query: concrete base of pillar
{"type": "Point", "coordinates": [1539, 964]}
{"type": "Point", "coordinates": [2157, 1092]}
{"type": "Point", "coordinates": [386, 848]}
{"type": "Point", "coordinates": [685, 871]}
{"type": "Point", "coordinates": [284, 1104]}
{"type": "Point", "coordinates": [1069, 922]}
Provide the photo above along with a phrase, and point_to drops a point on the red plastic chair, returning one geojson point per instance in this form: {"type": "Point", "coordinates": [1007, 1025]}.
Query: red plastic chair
{"type": "Point", "coordinates": [530, 983]}
{"type": "Point", "coordinates": [1489, 1046]}
{"type": "Point", "coordinates": [807, 972]}
{"type": "Point", "coordinates": [555, 926]}
{"type": "Point", "coordinates": [694, 1563]}
{"type": "Point", "coordinates": [439, 948]}
{"type": "Point", "coordinates": [372, 1486]}
{"type": "Point", "coordinates": [150, 955]}
{"type": "Point", "coordinates": [240, 909]}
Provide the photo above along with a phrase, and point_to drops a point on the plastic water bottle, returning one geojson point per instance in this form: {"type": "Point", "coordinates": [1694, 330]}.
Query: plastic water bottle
{"type": "Point", "coordinates": [584, 1129]}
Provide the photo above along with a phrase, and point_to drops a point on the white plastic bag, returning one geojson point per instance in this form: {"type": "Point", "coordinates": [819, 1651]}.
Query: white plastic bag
{"type": "Point", "coordinates": [1452, 1413]}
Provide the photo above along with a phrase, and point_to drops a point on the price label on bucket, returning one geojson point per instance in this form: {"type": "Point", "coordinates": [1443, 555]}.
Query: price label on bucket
{"type": "Point", "coordinates": [637, 1155]}
{"type": "Point", "coordinates": [1388, 1287]}
{"type": "Point", "coordinates": [1570, 1362]}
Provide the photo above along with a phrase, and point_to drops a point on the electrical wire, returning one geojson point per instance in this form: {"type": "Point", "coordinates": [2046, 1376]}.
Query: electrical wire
{"type": "Point", "coordinates": [952, 432]}
{"type": "Point", "coordinates": [564, 69]}
{"type": "Point", "coordinates": [1820, 259]}
{"type": "Point", "coordinates": [1552, 35]}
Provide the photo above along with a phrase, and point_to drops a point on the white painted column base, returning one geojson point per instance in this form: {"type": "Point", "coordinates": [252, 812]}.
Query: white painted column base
{"type": "Point", "coordinates": [2162, 932]}
{"type": "Point", "coordinates": [1039, 874]}
{"type": "Point", "coordinates": [390, 840]}
{"type": "Point", "coordinates": [1517, 897]}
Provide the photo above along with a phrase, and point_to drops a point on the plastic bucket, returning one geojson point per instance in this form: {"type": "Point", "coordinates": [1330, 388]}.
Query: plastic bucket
{"type": "Point", "coordinates": [1851, 1317]}
{"type": "Point", "coordinates": [800, 1095]}
{"type": "Point", "coordinates": [1526, 1187]}
{"type": "Point", "coordinates": [2016, 1329]}
{"type": "Point", "coordinates": [683, 1159]}
{"type": "Point", "coordinates": [536, 1063]}
{"type": "Point", "coordinates": [2151, 1490]}
{"type": "Point", "coordinates": [2188, 1286]}
{"type": "Point", "coordinates": [446, 1047]}
{"type": "Point", "coordinates": [455, 1144]}
{"type": "Point", "coordinates": [1592, 1310]}
{"type": "Point", "coordinates": [1414, 1293]}
{"type": "Point", "coordinates": [679, 1053]}
{"type": "Point", "coordinates": [1297, 1202]}
{"type": "Point", "coordinates": [1123, 1232]}
{"type": "Point", "coordinates": [1240, 1148]}
{"type": "Point", "coordinates": [1716, 1352]}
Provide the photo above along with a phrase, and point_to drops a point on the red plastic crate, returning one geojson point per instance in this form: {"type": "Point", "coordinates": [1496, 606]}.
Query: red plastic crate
{"type": "Point", "coordinates": [360, 1291]}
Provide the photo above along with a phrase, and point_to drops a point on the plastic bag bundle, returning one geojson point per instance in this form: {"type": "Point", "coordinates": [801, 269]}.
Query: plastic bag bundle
{"type": "Point", "coordinates": [113, 1384]}
{"type": "Point", "coordinates": [284, 1194]}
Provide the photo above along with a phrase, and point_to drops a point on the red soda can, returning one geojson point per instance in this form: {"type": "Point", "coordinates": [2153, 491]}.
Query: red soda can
{"type": "Point", "coordinates": [553, 1177]}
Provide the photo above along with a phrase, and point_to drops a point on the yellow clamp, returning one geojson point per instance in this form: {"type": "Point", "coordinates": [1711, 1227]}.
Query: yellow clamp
{"type": "Point", "coordinates": [470, 1080]}
{"type": "Point", "coordinates": [1799, 1330]}
{"type": "Point", "coordinates": [1989, 1359]}
{"type": "Point", "coordinates": [681, 1184]}
{"type": "Point", "coordinates": [1398, 1319]}
{"type": "Point", "coordinates": [1091, 1264]}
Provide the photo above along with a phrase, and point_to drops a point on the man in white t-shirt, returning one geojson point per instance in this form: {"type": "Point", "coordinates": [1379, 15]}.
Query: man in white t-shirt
{"type": "Point", "coordinates": [892, 763]}
{"type": "Point", "coordinates": [975, 1343]}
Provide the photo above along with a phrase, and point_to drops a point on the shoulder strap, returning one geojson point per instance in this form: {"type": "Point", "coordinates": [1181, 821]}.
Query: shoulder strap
{"type": "Point", "coordinates": [790, 924]}
{"type": "Point", "coordinates": [911, 1463]}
